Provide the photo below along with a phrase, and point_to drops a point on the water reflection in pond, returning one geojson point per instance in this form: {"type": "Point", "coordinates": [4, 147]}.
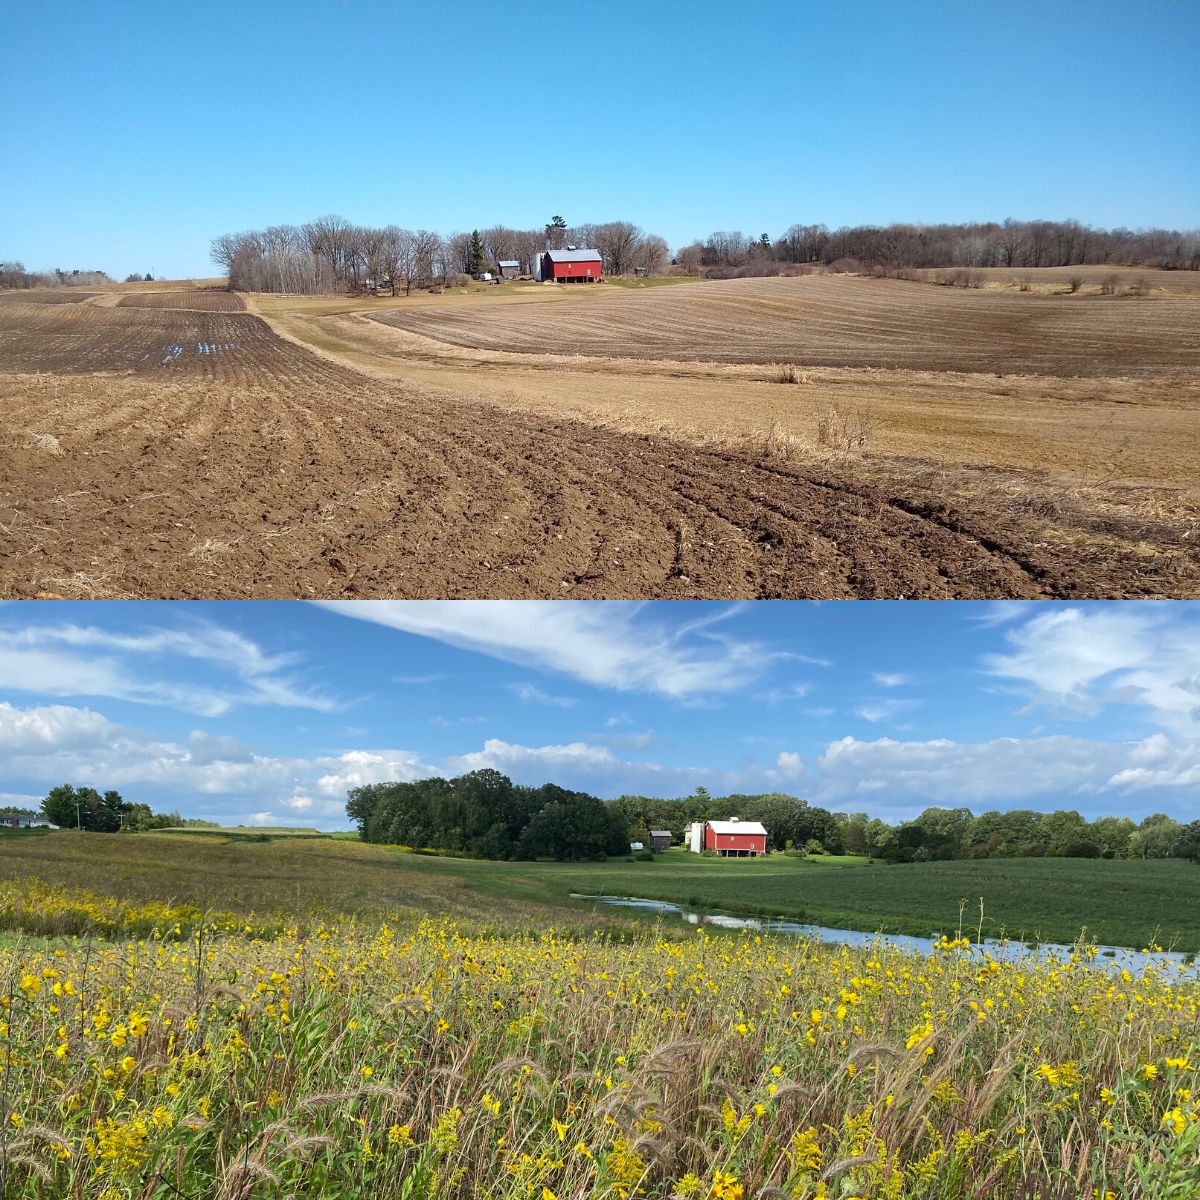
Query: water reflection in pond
{"type": "Point", "coordinates": [1135, 961]}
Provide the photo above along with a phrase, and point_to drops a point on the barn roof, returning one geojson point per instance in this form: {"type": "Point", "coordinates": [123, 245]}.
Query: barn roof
{"type": "Point", "coordinates": [737, 827]}
{"type": "Point", "coordinates": [573, 255]}
{"type": "Point", "coordinates": [660, 833]}
{"type": "Point", "coordinates": [508, 262]}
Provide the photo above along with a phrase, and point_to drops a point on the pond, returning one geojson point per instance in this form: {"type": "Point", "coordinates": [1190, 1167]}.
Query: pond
{"type": "Point", "coordinates": [1135, 961]}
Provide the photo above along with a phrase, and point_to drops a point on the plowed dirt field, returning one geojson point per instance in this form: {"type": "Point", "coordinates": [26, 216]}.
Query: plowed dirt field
{"type": "Point", "coordinates": [208, 301]}
{"type": "Point", "coordinates": [174, 452]}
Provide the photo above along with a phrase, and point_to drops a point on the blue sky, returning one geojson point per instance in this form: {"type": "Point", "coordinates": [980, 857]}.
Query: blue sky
{"type": "Point", "coordinates": [135, 132]}
{"type": "Point", "coordinates": [269, 711]}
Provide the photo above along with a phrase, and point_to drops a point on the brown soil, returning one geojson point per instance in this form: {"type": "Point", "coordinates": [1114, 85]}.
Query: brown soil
{"type": "Point", "coordinates": [186, 453]}
{"type": "Point", "coordinates": [201, 301]}
{"type": "Point", "coordinates": [62, 295]}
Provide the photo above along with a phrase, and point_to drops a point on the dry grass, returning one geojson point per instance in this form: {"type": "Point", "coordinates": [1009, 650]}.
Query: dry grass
{"type": "Point", "coordinates": [1094, 279]}
{"type": "Point", "coordinates": [1069, 427]}
{"type": "Point", "coordinates": [841, 321]}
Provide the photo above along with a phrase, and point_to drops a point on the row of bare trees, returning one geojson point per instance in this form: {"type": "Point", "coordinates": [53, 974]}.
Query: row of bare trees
{"type": "Point", "coordinates": [901, 247]}
{"type": "Point", "coordinates": [14, 275]}
{"type": "Point", "coordinates": [331, 253]}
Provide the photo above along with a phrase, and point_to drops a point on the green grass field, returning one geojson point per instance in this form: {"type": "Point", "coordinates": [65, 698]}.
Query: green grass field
{"type": "Point", "coordinates": [1118, 903]}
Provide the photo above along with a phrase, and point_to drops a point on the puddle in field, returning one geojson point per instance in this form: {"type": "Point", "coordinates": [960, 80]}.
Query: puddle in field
{"type": "Point", "coordinates": [1116, 957]}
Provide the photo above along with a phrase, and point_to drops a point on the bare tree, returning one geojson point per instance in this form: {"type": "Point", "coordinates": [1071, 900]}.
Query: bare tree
{"type": "Point", "coordinates": [500, 242]}
{"type": "Point", "coordinates": [651, 254]}
{"type": "Point", "coordinates": [690, 259]}
{"type": "Point", "coordinates": [617, 242]}
{"type": "Point", "coordinates": [458, 254]}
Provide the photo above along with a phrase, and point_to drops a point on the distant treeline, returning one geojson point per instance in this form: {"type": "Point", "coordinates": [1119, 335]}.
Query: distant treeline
{"type": "Point", "coordinates": [485, 815]}
{"type": "Point", "coordinates": [938, 833]}
{"type": "Point", "coordinates": [891, 248]}
{"type": "Point", "coordinates": [14, 275]}
{"type": "Point", "coordinates": [332, 253]}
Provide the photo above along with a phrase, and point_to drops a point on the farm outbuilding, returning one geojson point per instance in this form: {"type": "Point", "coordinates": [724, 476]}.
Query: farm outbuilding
{"type": "Point", "coordinates": [660, 840]}
{"type": "Point", "coordinates": [508, 268]}
{"type": "Point", "coordinates": [730, 839]}
{"type": "Point", "coordinates": [19, 821]}
{"type": "Point", "coordinates": [573, 265]}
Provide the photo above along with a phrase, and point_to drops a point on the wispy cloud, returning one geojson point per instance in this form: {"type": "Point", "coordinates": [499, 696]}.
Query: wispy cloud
{"type": "Point", "coordinates": [1077, 661]}
{"type": "Point", "coordinates": [887, 680]}
{"type": "Point", "coordinates": [83, 660]}
{"type": "Point", "coordinates": [530, 693]}
{"type": "Point", "coordinates": [780, 695]}
{"type": "Point", "coordinates": [884, 710]}
{"type": "Point", "coordinates": [618, 645]}
{"type": "Point", "coordinates": [1000, 612]}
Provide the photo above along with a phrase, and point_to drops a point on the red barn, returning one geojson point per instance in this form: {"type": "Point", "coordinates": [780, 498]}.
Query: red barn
{"type": "Point", "coordinates": [573, 266]}
{"type": "Point", "coordinates": [735, 839]}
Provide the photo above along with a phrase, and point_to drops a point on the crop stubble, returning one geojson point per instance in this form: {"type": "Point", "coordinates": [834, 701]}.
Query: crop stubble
{"type": "Point", "coordinates": [842, 321]}
{"type": "Point", "coordinates": [165, 452]}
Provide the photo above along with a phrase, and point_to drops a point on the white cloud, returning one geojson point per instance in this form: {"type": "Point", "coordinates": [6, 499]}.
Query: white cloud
{"type": "Point", "coordinates": [53, 727]}
{"type": "Point", "coordinates": [790, 763]}
{"type": "Point", "coordinates": [887, 680]}
{"type": "Point", "coordinates": [1003, 772]}
{"type": "Point", "coordinates": [531, 694]}
{"type": "Point", "coordinates": [1078, 661]}
{"type": "Point", "coordinates": [587, 767]}
{"type": "Point", "coordinates": [205, 748]}
{"type": "Point", "coordinates": [356, 768]}
{"type": "Point", "coordinates": [500, 754]}
{"type": "Point", "coordinates": [20, 799]}
{"type": "Point", "coordinates": [614, 645]}
{"type": "Point", "coordinates": [75, 660]}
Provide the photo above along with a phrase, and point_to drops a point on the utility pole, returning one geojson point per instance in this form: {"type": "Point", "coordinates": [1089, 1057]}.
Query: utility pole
{"type": "Point", "coordinates": [78, 822]}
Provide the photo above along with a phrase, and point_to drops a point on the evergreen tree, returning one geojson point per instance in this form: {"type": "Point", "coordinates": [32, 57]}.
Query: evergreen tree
{"type": "Point", "coordinates": [476, 256]}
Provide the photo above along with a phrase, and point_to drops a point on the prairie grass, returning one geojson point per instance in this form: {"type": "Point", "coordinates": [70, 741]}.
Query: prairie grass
{"type": "Point", "coordinates": [422, 1058]}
